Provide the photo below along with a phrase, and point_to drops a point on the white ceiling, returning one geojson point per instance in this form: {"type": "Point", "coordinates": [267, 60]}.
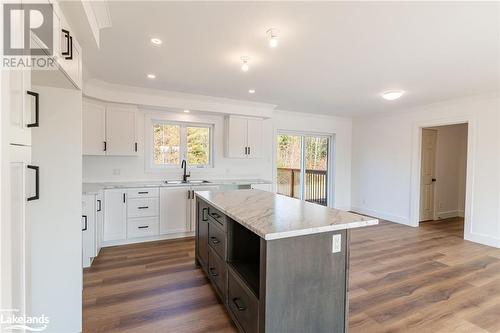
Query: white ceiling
{"type": "Point", "coordinates": [333, 57]}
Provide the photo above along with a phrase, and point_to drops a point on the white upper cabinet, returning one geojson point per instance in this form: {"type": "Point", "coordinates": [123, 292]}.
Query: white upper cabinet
{"type": "Point", "coordinates": [109, 130]}
{"type": "Point", "coordinates": [94, 134]}
{"type": "Point", "coordinates": [120, 131]}
{"type": "Point", "coordinates": [243, 137]}
{"type": "Point", "coordinates": [22, 105]}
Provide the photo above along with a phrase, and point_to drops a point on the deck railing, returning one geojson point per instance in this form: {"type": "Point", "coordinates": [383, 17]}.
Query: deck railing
{"type": "Point", "coordinates": [315, 189]}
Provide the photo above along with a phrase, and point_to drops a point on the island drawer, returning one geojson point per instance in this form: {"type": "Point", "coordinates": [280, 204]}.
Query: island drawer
{"type": "Point", "coordinates": [218, 217]}
{"type": "Point", "coordinates": [149, 192]}
{"type": "Point", "coordinates": [242, 303]}
{"type": "Point", "coordinates": [217, 273]}
{"type": "Point", "coordinates": [217, 239]}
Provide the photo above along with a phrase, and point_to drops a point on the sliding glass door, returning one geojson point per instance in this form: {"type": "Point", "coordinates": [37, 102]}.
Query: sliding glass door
{"type": "Point", "coordinates": [302, 167]}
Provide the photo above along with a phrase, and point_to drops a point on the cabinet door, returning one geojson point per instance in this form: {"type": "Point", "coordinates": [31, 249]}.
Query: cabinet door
{"type": "Point", "coordinates": [202, 233]}
{"type": "Point", "coordinates": [94, 116]}
{"type": "Point", "coordinates": [115, 215]}
{"type": "Point", "coordinates": [99, 222]}
{"type": "Point", "coordinates": [88, 228]}
{"type": "Point", "coordinates": [236, 137]}
{"type": "Point", "coordinates": [255, 133]}
{"type": "Point", "coordinates": [120, 131]}
{"type": "Point", "coordinates": [15, 253]}
{"type": "Point", "coordinates": [174, 206]}
{"type": "Point", "coordinates": [21, 106]}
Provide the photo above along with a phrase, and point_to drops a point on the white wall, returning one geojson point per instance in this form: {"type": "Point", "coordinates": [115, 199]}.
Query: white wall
{"type": "Point", "coordinates": [104, 168]}
{"type": "Point", "coordinates": [385, 160]}
{"type": "Point", "coordinates": [451, 164]}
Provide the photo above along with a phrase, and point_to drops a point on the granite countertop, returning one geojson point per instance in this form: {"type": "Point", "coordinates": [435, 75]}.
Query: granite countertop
{"type": "Point", "coordinates": [93, 188]}
{"type": "Point", "coordinates": [274, 216]}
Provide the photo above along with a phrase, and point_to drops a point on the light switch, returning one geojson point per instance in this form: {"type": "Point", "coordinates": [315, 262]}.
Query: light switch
{"type": "Point", "coordinates": [337, 243]}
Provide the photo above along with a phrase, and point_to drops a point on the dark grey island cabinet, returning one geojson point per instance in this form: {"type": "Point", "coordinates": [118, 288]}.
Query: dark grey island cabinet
{"type": "Point", "coordinates": [275, 273]}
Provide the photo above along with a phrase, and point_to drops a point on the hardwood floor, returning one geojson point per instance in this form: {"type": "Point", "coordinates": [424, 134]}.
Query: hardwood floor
{"type": "Point", "coordinates": [402, 279]}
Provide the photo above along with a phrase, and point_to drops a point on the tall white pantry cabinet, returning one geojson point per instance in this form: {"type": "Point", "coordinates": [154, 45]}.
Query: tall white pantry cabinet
{"type": "Point", "coordinates": [40, 270]}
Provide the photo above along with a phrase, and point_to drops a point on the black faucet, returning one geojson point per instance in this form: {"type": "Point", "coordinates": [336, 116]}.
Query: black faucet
{"type": "Point", "coordinates": [184, 175]}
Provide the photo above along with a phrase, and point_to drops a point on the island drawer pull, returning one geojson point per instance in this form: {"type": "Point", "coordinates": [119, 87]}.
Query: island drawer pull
{"type": "Point", "coordinates": [142, 192]}
{"type": "Point", "coordinates": [204, 214]}
{"type": "Point", "coordinates": [238, 304]}
{"type": "Point", "coordinates": [143, 227]}
{"type": "Point", "coordinates": [213, 271]}
{"type": "Point", "coordinates": [214, 240]}
{"type": "Point", "coordinates": [143, 207]}
{"type": "Point", "coordinates": [217, 216]}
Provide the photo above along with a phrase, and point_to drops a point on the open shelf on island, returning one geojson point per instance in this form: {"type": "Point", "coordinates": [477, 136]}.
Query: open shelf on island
{"type": "Point", "coordinates": [244, 255]}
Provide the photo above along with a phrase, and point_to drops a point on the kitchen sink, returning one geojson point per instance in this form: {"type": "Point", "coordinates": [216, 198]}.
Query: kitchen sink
{"type": "Point", "coordinates": [173, 182]}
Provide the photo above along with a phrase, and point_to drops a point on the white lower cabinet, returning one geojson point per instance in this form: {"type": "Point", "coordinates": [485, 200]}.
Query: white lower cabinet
{"type": "Point", "coordinates": [134, 213]}
{"type": "Point", "coordinates": [174, 210]}
{"type": "Point", "coordinates": [92, 219]}
{"type": "Point", "coordinates": [115, 215]}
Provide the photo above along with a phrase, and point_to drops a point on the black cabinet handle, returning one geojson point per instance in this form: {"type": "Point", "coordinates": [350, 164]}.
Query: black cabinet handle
{"type": "Point", "coordinates": [142, 192]}
{"type": "Point", "coordinates": [123, 197]}
{"type": "Point", "coordinates": [189, 194]}
{"type": "Point", "coordinates": [105, 146]}
{"type": "Point", "coordinates": [66, 35]}
{"type": "Point", "coordinates": [217, 216]}
{"type": "Point", "coordinates": [99, 205]}
{"type": "Point", "coordinates": [85, 221]}
{"type": "Point", "coordinates": [204, 216]}
{"type": "Point", "coordinates": [239, 305]}
{"type": "Point", "coordinates": [213, 271]}
{"type": "Point", "coordinates": [68, 54]}
{"type": "Point", "coordinates": [37, 108]}
{"type": "Point", "coordinates": [143, 227]}
{"type": "Point", "coordinates": [214, 240]}
{"type": "Point", "coordinates": [37, 182]}
{"type": "Point", "coordinates": [143, 207]}
{"type": "Point", "coordinates": [434, 179]}
{"type": "Point", "coordinates": [135, 147]}
{"type": "Point", "coordinates": [248, 150]}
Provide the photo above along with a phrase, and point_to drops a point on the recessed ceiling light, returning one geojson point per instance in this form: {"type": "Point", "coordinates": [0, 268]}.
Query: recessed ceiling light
{"type": "Point", "coordinates": [273, 35]}
{"type": "Point", "coordinates": [245, 66]}
{"type": "Point", "coordinates": [251, 91]}
{"type": "Point", "coordinates": [186, 111]}
{"type": "Point", "coordinates": [392, 95]}
{"type": "Point", "coordinates": [151, 76]}
{"type": "Point", "coordinates": [156, 41]}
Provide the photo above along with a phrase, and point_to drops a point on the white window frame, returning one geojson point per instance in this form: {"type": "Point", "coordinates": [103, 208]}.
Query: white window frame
{"type": "Point", "coordinates": [182, 146]}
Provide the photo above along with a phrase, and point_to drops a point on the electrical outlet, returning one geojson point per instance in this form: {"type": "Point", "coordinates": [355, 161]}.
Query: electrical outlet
{"type": "Point", "coordinates": [336, 243]}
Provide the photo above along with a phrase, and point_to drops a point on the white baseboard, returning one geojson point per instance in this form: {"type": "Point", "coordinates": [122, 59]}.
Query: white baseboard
{"type": "Point", "coordinates": [482, 239]}
{"type": "Point", "coordinates": [448, 214]}
{"type": "Point", "coordinates": [147, 239]}
{"type": "Point", "coordinates": [382, 215]}
{"type": "Point", "coordinates": [461, 213]}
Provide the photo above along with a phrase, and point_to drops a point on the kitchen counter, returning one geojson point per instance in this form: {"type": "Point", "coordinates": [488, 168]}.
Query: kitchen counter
{"type": "Point", "coordinates": [93, 188]}
{"type": "Point", "coordinates": [273, 216]}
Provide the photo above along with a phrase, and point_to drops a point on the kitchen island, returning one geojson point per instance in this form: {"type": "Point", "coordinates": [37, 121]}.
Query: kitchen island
{"type": "Point", "coordinates": [278, 264]}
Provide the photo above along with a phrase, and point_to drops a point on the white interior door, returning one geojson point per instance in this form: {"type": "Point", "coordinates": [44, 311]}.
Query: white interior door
{"type": "Point", "coordinates": [428, 174]}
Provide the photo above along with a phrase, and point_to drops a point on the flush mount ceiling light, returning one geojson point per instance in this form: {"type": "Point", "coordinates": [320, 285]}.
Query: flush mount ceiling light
{"type": "Point", "coordinates": [156, 41]}
{"type": "Point", "coordinates": [151, 76]}
{"type": "Point", "coordinates": [245, 66]}
{"type": "Point", "coordinates": [392, 95]}
{"type": "Point", "coordinates": [272, 35]}
{"type": "Point", "coordinates": [251, 91]}
{"type": "Point", "coordinates": [186, 111]}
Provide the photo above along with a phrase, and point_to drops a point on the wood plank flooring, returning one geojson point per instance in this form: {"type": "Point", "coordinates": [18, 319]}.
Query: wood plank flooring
{"type": "Point", "coordinates": [402, 279]}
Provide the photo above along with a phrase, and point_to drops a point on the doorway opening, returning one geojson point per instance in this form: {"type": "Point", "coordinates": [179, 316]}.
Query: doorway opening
{"type": "Point", "coordinates": [443, 175]}
{"type": "Point", "coordinates": [303, 167]}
